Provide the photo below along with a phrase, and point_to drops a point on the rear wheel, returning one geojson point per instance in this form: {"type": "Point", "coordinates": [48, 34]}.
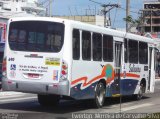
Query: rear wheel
{"type": "Point", "coordinates": [100, 95]}
{"type": "Point", "coordinates": [48, 100]}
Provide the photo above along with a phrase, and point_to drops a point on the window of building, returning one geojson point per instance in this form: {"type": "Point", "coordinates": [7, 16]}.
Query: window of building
{"type": "Point", "coordinates": [76, 44]}
{"type": "Point", "coordinates": [86, 45]}
{"type": "Point", "coordinates": [156, 29]}
{"type": "Point", "coordinates": [133, 51]}
{"type": "Point", "coordinates": [97, 46]}
{"type": "Point", "coordinates": [147, 29]}
{"type": "Point", "coordinates": [107, 48]}
{"type": "Point", "coordinates": [7, 9]}
{"type": "Point", "coordinates": [143, 53]}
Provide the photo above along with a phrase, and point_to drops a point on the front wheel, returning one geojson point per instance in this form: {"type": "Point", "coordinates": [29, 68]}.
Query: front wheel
{"type": "Point", "coordinates": [139, 96]}
{"type": "Point", "coordinates": [100, 92]}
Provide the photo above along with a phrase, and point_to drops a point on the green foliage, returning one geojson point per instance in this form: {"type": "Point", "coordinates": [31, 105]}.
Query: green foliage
{"type": "Point", "coordinates": [130, 20]}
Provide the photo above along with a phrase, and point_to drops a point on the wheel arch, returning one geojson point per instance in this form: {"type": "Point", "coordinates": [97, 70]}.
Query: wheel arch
{"type": "Point", "coordinates": [143, 84]}
{"type": "Point", "coordinates": [103, 81]}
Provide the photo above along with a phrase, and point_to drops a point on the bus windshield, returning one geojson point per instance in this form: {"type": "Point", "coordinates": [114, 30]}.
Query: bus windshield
{"type": "Point", "coordinates": [36, 36]}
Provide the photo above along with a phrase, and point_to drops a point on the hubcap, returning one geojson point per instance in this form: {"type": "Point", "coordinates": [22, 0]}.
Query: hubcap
{"type": "Point", "coordinates": [100, 94]}
{"type": "Point", "coordinates": [140, 93]}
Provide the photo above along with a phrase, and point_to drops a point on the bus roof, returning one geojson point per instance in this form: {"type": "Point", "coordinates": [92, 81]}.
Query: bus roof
{"type": "Point", "coordinates": [85, 26]}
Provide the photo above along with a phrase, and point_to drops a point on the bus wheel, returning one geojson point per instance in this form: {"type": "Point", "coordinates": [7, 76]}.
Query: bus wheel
{"type": "Point", "coordinates": [100, 92]}
{"type": "Point", "coordinates": [48, 100]}
{"type": "Point", "coordinates": [140, 93]}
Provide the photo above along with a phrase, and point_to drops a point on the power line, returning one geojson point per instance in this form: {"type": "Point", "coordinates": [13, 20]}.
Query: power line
{"type": "Point", "coordinates": [70, 11]}
{"type": "Point", "coordinates": [115, 17]}
{"type": "Point", "coordinates": [76, 10]}
{"type": "Point", "coordinates": [130, 10]}
{"type": "Point", "coordinates": [96, 2]}
{"type": "Point", "coordinates": [105, 10]}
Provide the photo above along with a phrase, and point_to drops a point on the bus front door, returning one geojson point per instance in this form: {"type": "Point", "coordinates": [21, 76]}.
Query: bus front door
{"type": "Point", "coordinates": [151, 78]}
{"type": "Point", "coordinates": [117, 71]}
{"type": "Point", "coordinates": [150, 61]}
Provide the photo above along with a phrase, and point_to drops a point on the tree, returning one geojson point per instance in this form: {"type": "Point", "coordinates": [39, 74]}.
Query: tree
{"type": "Point", "coordinates": [132, 22]}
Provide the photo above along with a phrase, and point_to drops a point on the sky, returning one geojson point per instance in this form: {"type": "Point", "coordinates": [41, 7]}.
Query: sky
{"type": "Point", "coordinates": [78, 7]}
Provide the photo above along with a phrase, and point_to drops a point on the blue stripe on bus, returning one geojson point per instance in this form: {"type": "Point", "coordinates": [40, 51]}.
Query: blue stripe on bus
{"type": "Point", "coordinates": [128, 87]}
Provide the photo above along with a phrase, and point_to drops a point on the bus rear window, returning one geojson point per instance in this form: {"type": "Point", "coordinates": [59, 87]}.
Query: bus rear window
{"type": "Point", "coordinates": [36, 36]}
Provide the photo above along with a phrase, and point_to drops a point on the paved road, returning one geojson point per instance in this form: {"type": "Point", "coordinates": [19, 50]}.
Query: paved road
{"type": "Point", "coordinates": [28, 107]}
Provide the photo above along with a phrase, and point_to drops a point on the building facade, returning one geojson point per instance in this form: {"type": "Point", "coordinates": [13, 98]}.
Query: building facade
{"type": "Point", "coordinates": [90, 19]}
{"type": "Point", "coordinates": [151, 17]}
{"type": "Point", "coordinates": [17, 8]}
{"type": "Point", "coordinates": [151, 26]}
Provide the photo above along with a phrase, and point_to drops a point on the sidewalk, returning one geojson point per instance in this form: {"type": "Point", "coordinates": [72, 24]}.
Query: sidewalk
{"type": "Point", "coordinates": [157, 78]}
{"type": "Point", "coordinates": [9, 93]}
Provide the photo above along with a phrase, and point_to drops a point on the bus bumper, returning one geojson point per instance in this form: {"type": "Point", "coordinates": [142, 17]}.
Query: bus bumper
{"type": "Point", "coordinates": [61, 88]}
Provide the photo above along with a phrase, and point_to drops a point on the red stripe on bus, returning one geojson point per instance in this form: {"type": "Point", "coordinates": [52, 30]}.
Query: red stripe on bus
{"type": "Point", "coordinates": [130, 75]}
{"type": "Point", "coordinates": [85, 80]}
{"type": "Point", "coordinates": [101, 76]}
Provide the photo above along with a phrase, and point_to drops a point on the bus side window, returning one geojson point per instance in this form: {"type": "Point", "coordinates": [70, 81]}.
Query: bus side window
{"type": "Point", "coordinates": [107, 48]}
{"type": "Point", "coordinates": [86, 45]}
{"type": "Point", "coordinates": [76, 44]}
{"type": "Point", "coordinates": [143, 53]}
{"type": "Point", "coordinates": [133, 51]}
{"type": "Point", "coordinates": [97, 47]}
{"type": "Point", "coordinates": [125, 50]}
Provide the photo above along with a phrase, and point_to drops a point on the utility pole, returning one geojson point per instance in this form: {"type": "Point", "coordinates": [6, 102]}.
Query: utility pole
{"type": "Point", "coordinates": [105, 10]}
{"type": "Point", "coordinates": [127, 14]}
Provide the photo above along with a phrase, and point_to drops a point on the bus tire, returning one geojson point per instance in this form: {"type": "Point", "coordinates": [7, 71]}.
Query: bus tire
{"type": "Point", "coordinates": [48, 100]}
{"type": "Point", "coordinates": [139, 96]}
{"type": "Point", "coordinates": [100, 92]}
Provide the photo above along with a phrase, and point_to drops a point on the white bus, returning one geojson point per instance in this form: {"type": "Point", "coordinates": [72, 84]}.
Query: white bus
{"type": "Point", "coordinates": [58, 58]}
